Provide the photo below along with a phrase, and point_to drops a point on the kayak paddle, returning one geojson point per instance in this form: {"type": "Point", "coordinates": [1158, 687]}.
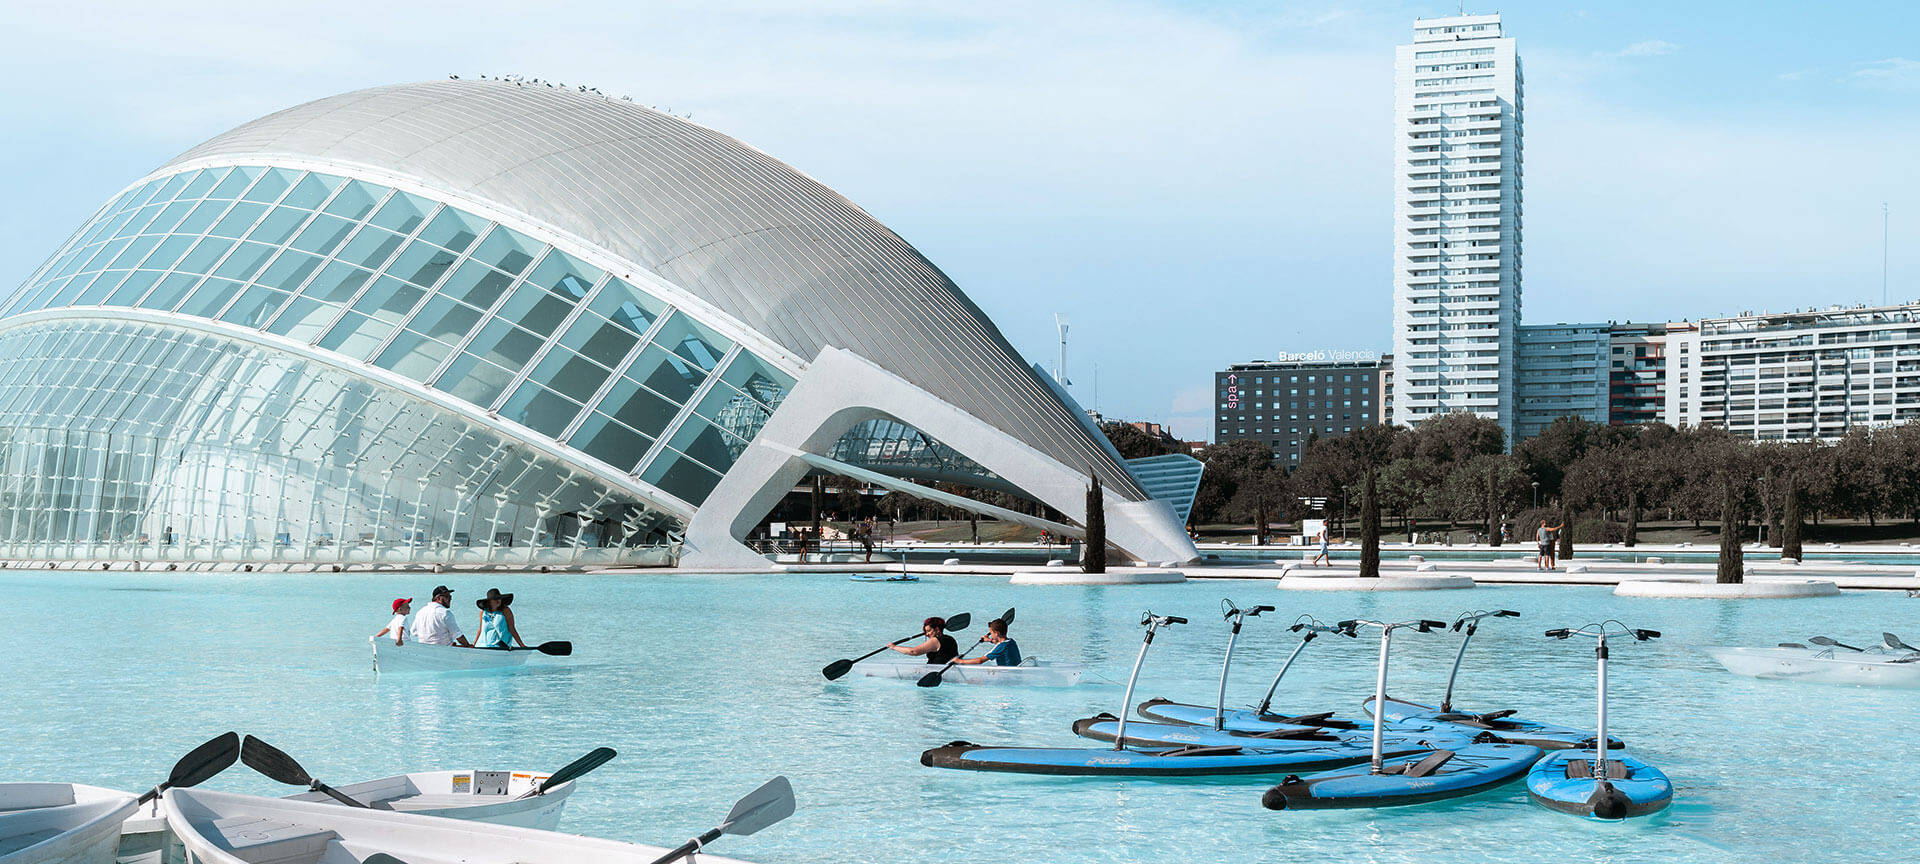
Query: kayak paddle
{"type": "Point", "coordinates": [1894, 642]}
{"type": "Point", "coordinates": [841, 667]}
{"type": "Point", "coordinates": [770, 803]}
{"type": "Point", "coordinates": [199, 765]}
{"type": "Point", "coordinates": [555, 649]}
{"type": "Point", "coordinates": [1791, 645]}
{"type": "Point", "coordinates": [574, 770]}
{"type": "Point", "coordinates": [278, 766]}
{"type": "Point", "coordinates": [932, 679]}
{"type": "Point", "coordinates": [1822, 640]}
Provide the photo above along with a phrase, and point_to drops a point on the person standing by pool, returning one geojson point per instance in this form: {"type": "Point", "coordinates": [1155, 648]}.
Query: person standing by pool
{"type": "Point", "coordinates": [402, 606]}
{"type": "Point", "coordinates": [1006, 652]}
{"type": "Point", "coordinates": [1547, 537]}
{"type": "Point", "coordinates": [939, 647]}
{"type": "Point", "coordinates": [496, 621]}
{"type": "Point", "coordinates": [435, 625]}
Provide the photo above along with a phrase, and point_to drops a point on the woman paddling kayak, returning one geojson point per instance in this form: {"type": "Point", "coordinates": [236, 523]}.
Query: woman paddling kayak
{"type": "Point", "coordinates": [939, 647]}
{"type": "Point", "coordinates": [496, 621]}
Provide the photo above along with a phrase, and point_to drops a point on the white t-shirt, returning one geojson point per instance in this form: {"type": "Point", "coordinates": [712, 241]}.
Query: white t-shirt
{"type": "Point", "coordinates": [397, 625]}
{"type": "Point", "coordinates": [434, 625]}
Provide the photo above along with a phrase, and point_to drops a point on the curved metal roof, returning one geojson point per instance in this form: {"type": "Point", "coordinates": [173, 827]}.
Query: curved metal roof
{"type": "Point", "coordinates": [760, 241]}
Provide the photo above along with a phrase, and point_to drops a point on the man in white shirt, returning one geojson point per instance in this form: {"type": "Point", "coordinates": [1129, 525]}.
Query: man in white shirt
{"type": "Point", "coordinates": [397, 628]}
{"type": "Point", "coordinates": [435, 625]}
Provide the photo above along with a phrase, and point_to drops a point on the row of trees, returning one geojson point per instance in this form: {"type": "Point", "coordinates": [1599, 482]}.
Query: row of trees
{"type": "Point", "coordinates": [1598, 480]}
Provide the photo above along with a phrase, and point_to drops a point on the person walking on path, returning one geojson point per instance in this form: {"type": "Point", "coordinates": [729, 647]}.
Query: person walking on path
{"type": "Point", "coordinates": [1322, 557]}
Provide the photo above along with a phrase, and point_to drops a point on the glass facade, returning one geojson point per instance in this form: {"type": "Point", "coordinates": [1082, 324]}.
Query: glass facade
{"type": "Point", "coordinates": [452, 301]}
{"type": "Point", "coordinates": [128, 441]}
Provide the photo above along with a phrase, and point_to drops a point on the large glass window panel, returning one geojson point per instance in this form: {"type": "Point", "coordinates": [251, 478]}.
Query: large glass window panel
{"type": "Point", "coordinates": [169, 217]}
{"type": "Point", "coordinates": [705, 442]}
{"type": "Point", "coordinates": [540, 409]}
{"type": "Point", "coordinates": [129, 291]}
{"type": "Point", "coordinates": [168, 253]}
{"type": "Point", "coordinates": [600, 340]}
{"type": "Point", "coordinates": [279, 225]}
{"type": "Point", "coordinates": [504, 345]}
{"type": "Point", "coordinates": [255, 306]}
{"type": "Point", "coordinates": [203, 182]}
{"type": "Point", "coordinates": [238, 220]}
{"type": "Point", "coordinates": [535, 310]}
{"type": "Point", "coordinates": [289, 270]}
{"type": "Point", "coordinates": [638, 407]}
{"type": "Point", "coordinates": [204, 253]}
{"type": "Point", "coordinates": [477, 284]}
{"type": "Point", "coordinates": [356, 335]}
{"type": "Point", "coordinates": [565, 275]}
{"type": "Point", "coordinates": [403, 212]}
{"type": "Point", "coordinates": [105, 252]}
{"type": "Point", "coordinates": [665, 374]}
{"type": "Point", "coordinates": [475, 380]}
{"type": "Point", "coordinates": [611, 442]}
{"type": "Point", "coordinates": [169, 292]}
{"type": "Point", "coordinates": [323, 235]}
{"type": "Point", "coordinates": [370, 247]}
{"type": "Point", "coordinates": [174, 184]}
{"type": "Point", "coordinates": [203, 216]}
{"type": "Point", "coordinates": [445, 319]}
{"type": "Point", "coordinates": [135, 251]}
{"type": "Point", "coordinates": [138, 224]}
{"type": "Point", "coordinates": [733, 412]}
{"type": "Point", "coordinates": [681, 477]}
{"type": "Point", "coordinates": [413, 355]}
{"type": "Point", "coordinates": [268, 188]}
{"type": "Point", "coordinates": [692, 341]}
{"type": "Point", "coordinates": [302, 318]}
{"type": "Point", "coordinates": [355, 201]}
{"type": "Point", "coordinates": [453, 229]}
{"type": "Point", "coordinates": [337, 283]}
{"type": "Point", "coordinates": [246, 260]}
{"type": "Point", "coordinates": [570, 375]}
{"type": "Point", "coordinates": [68, 292]}
{"type": "Point", "coordinates": [389, 300]}
{"type": "Point", "coordinates": [312, 191]}
{"type": "Point", "coordinates": [236, 182]}
{"type": "Point", "coordinates": [506, 250]}
{"type": "Point", "coordinates": [422, 264]}
{"type": "Point", "coordinates": [207, 300]}
{"type": "Point", "coordinates": [627, 306]}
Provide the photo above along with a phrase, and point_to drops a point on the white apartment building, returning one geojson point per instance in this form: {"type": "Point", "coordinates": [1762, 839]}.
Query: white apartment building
{"type": "Point", "coordinates": [1457, 205]}
{"type": "Point", "coordinates": [1796, 375]}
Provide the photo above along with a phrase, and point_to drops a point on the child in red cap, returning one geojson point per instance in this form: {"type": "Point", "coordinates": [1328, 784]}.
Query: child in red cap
{"type": "Point", "coordinates": [398, 626]}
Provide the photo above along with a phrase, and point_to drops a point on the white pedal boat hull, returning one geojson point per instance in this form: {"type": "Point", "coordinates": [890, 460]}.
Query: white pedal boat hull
{"type": "Point", "coordinates": [222, 828]}
{"type": "Point", "coordinates": [466, 795]}
{"type": "Point", "coordinates": [1799, 664]}
{"type": "Point", "coordinates": [1041, 673]}
{"type": "Point", "coordinates": [61, 823]}
{"type": "Point", "coordinates": [418, 657]}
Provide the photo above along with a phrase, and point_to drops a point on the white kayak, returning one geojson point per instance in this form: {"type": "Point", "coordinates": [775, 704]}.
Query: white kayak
{"type": "Point", "coordinates": [480, 796]}
{"type": "Point", "coordinates": [61, 823]}
{"type": "Point", "coordinates": [223, 828]}
{"type": "Point", "coordinates": [420, 657]}
{"type": "Point", "coordinates": [1823, 666]}
{"type": "Point", "coordinates": [1032, 673]}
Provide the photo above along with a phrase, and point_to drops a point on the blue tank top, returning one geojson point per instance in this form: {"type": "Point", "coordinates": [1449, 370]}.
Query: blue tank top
{"type": "Point", "coordinates": [493, 630]}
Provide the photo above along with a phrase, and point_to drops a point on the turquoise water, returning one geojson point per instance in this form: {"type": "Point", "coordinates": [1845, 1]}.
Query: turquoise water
{"type": "Point", "coordinates": [1515, 552]}
{"type": "Point", "coordinates": [709, 685]}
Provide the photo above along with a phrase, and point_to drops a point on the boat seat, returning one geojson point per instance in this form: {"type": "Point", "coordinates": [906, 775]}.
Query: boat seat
{"type": "Point", "coordinates": [264, 841]}
{"type": "Point", "coordinates": [1491, 718]}
{"type": "Point", "coordinates": [1582, 769]}
{"type": "Point", "coordinates": [1427, 766]}
{"type": "Point", "coordinates": [1314, 733]}
{"type": "Point", "coordinates": [1198, 750]}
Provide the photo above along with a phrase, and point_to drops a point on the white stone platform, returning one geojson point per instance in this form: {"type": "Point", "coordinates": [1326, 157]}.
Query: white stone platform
{"type": "Point", "coordinates": [1351, 580]}
{"type": "Point", "coordinates": [1772, 589]}
{"type": "Point", "coordinates": [1113, 576]}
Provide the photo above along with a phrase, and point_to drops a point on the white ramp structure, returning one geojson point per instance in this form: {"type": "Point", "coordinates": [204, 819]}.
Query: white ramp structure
{"type": "Point", "coordinates": [502, 322]}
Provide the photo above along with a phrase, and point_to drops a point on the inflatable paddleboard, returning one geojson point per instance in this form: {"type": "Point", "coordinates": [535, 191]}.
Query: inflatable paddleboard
{"type": "Point", "coordinates": [1104, 727]}
{"type": "Point", "coordinates": [1546, 736]}
{"type": "Point", "coordinates": [882, 577]}
{"type": "Point", "coordinates": [1137, 762]}
{"type": "Point", "coordinates": [1416, 779]}
{"type": "Point", "coordinates": [1566, 781]}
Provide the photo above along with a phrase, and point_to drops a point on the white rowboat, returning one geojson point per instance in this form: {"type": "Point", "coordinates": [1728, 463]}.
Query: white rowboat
{"type": "Point", "coordinates": [60, 823]}
{"type": "Point", "coordinates": [222, 828]}
{"type": "Point", "coordinates": [479, 796]}
{"type": "Point", "coordinates": [420, 657]}
{"type": "Point", "coordinates": [1822, 666]}
{"type": "Point", "coordinates": [1033, 673]}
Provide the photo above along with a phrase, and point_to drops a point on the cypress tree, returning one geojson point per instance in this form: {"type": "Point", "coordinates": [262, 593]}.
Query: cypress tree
{"type": "Point", "coordinates": [1093, 557]}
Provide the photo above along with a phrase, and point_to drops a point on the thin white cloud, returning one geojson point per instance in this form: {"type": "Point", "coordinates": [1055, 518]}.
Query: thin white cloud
{"type": "Point", "coordinates": [1648, 48]}
{"type": "Point", "coordinates": [1893, 73]}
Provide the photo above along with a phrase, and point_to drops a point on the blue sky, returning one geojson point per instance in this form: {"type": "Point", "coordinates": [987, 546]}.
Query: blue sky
{"type": "Point", "coordinates": [1193, 183]}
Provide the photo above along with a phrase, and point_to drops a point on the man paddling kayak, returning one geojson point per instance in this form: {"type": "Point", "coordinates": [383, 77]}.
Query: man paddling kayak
{"type": "Point", "coordinates": [435, 625]}
{"type": "Point", "coordinates": [1006, 652]}
{"type": "Point", "coordinates": [939, 647]}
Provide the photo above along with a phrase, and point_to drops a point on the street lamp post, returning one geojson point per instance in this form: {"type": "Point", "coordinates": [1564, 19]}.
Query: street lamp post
{"type": "Point", "coordinates": [1536, 494]}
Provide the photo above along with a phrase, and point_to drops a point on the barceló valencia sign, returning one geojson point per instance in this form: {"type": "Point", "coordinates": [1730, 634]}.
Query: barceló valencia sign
{"type": "Point", "coordinates": [1329, 356]}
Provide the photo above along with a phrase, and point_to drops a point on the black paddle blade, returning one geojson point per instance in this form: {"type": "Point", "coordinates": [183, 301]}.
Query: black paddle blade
{"type": "Point", "coordinates": [200, 764]}
{"type": "Point", "coordinates": [381, 858]}
{"type": "Point", "coordinates": [575, 769]}
{"type": "Point", "coordinates": [837, 668]}
{"type": "Point", "coordinates": [1007, 616]}
{"type": "Point", "coordinates": [960, 622]}
{"type": "Point", "coordinates": [555, 649]}
{"type": "Point", "coordinates": [272, 762]}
